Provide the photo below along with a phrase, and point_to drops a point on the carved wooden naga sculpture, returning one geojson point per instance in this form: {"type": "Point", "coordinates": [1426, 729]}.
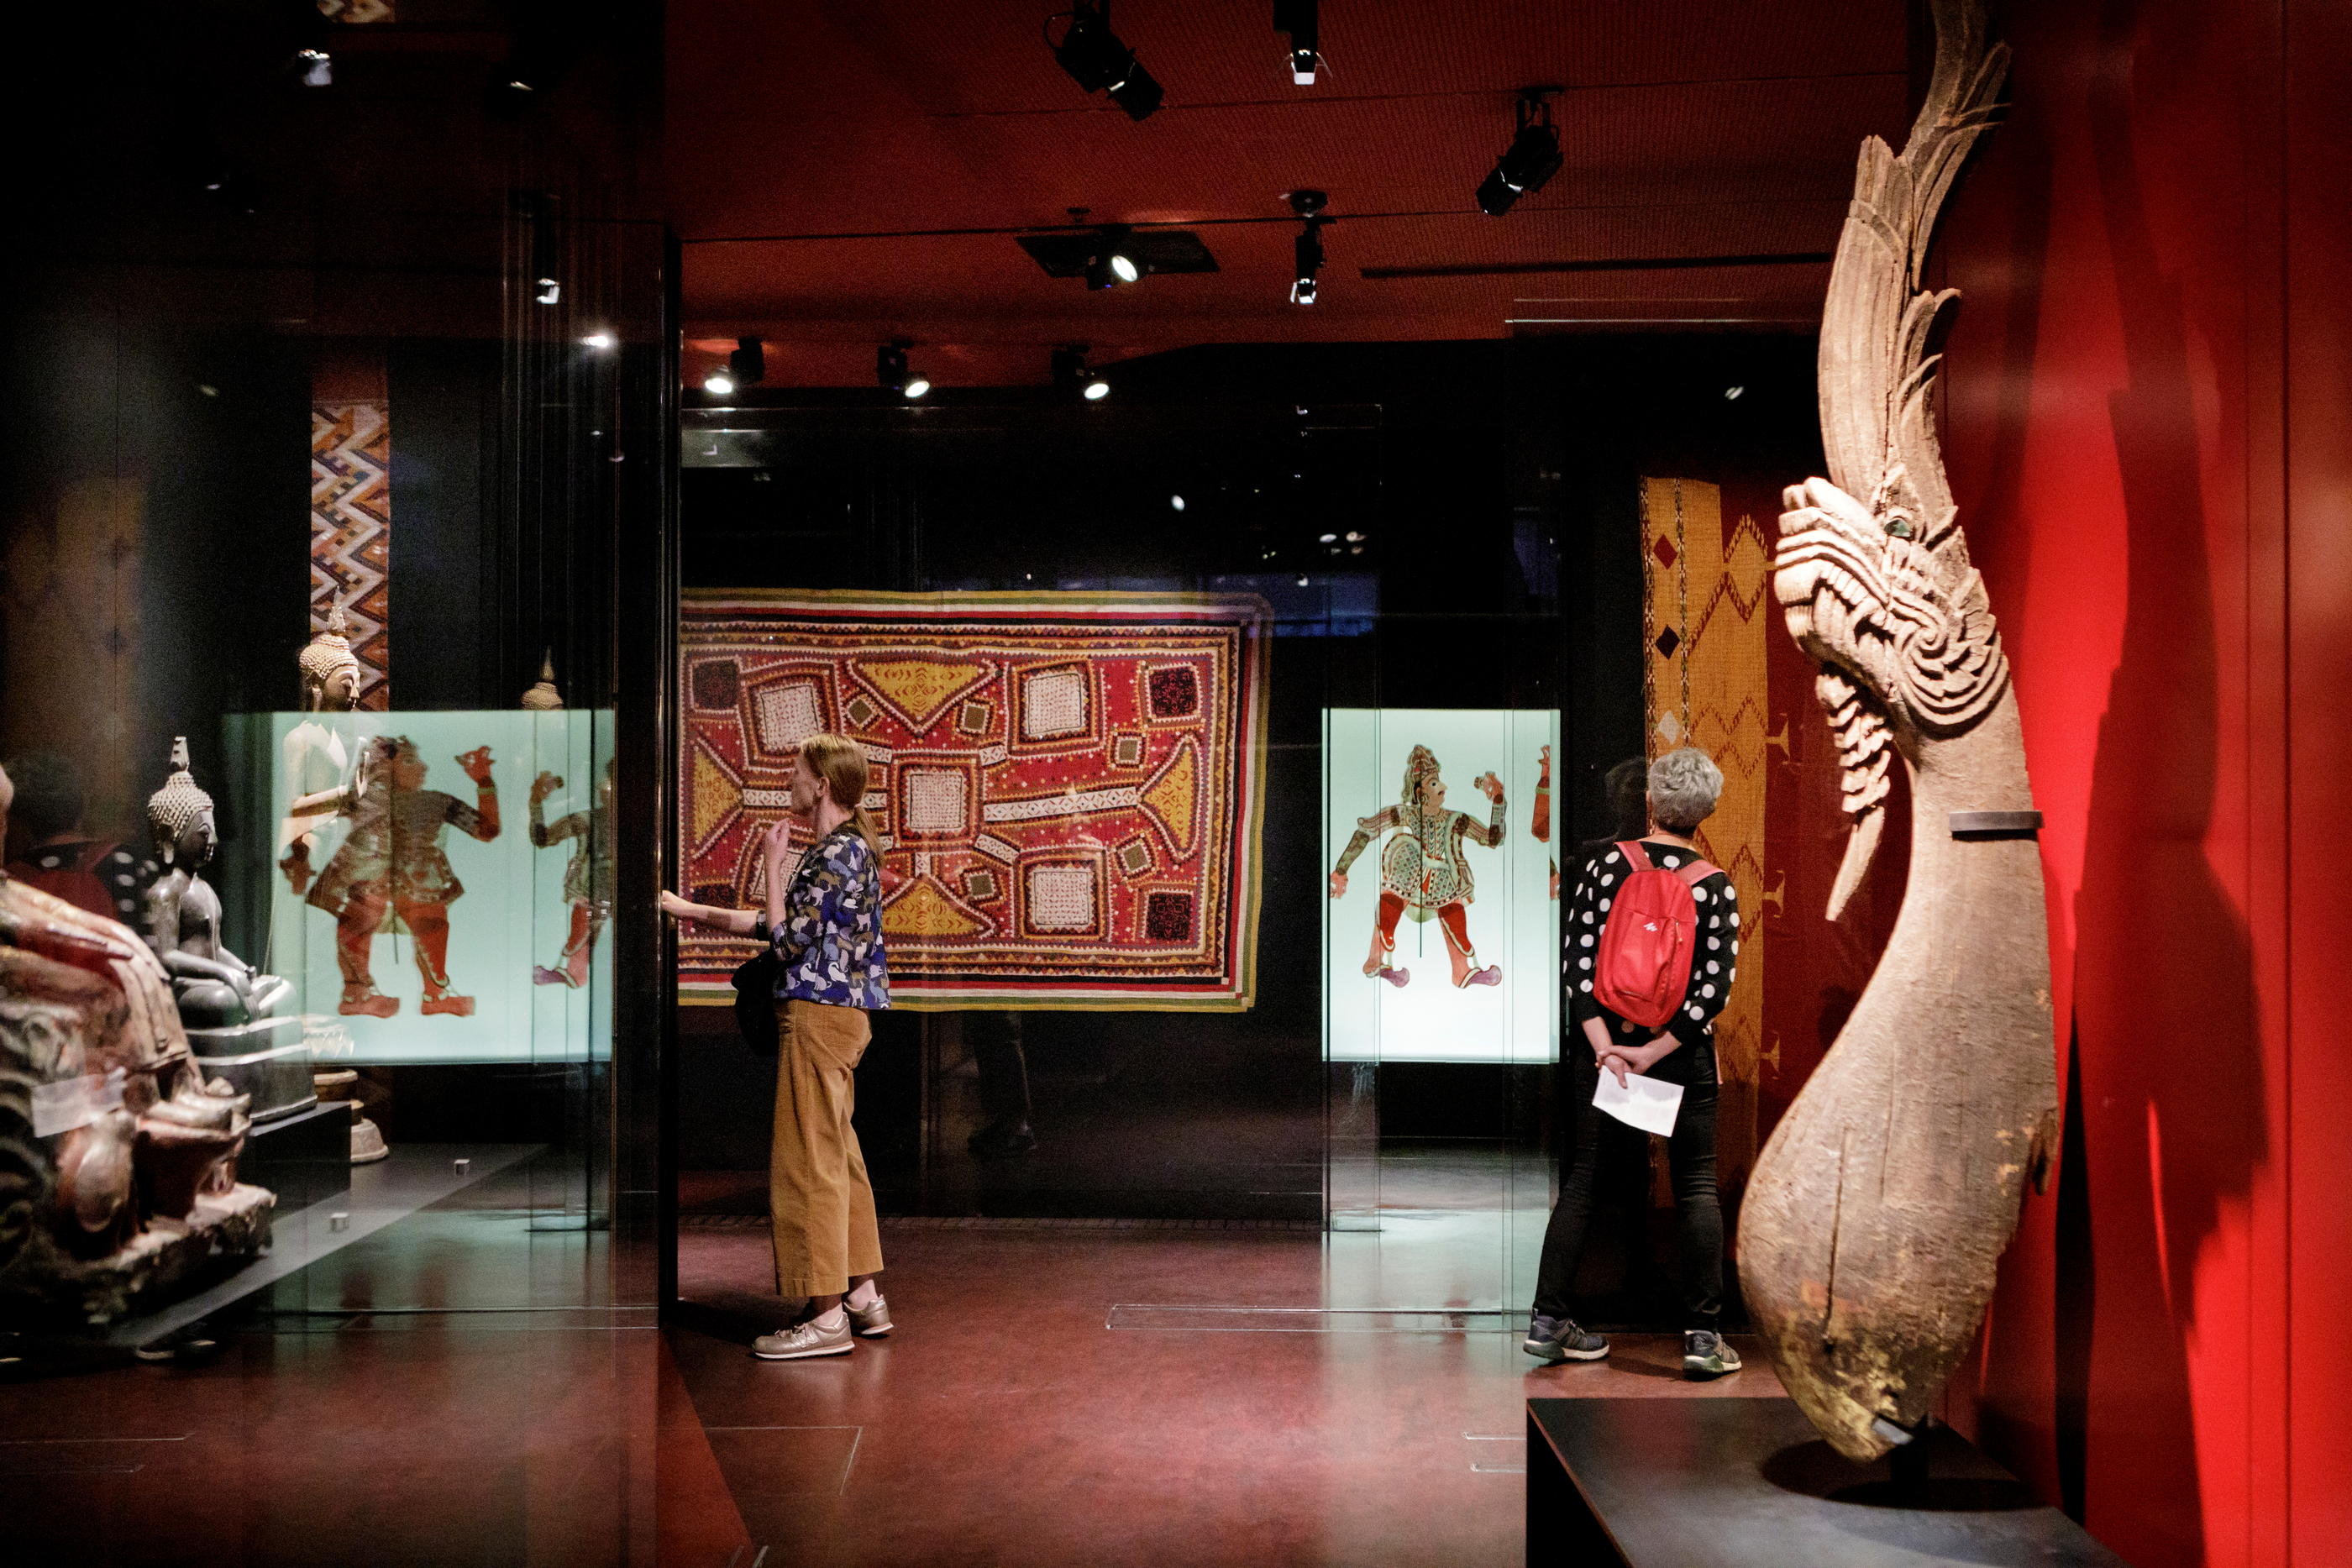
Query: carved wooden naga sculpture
{"type": "Point", "coordinates": [1878, 1211]}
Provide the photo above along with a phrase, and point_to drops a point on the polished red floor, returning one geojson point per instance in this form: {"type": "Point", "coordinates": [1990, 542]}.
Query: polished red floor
{"type": "Point", "coordinates": [1008, 1421]}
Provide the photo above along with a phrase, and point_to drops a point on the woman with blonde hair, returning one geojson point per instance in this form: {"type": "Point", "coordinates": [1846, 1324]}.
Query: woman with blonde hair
{"type": "Point", "coordinates": [825, 921]}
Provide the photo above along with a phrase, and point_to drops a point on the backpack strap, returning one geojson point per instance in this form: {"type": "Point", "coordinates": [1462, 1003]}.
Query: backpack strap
{"type": "Point", "coordinates": [1692, 873]}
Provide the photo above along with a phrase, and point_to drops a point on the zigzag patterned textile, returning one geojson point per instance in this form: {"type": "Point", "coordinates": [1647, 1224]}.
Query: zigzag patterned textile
{"type": "Point", "coordinates": [350, 533]}
{"type": "Point", "coordinates": [1704, 619]}
{"type": "Point", "coordinates": [1067, 785]}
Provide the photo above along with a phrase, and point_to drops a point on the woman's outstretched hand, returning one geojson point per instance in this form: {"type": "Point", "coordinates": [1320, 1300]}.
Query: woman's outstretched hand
{"type": "Point", "coordinates": [675, 907]}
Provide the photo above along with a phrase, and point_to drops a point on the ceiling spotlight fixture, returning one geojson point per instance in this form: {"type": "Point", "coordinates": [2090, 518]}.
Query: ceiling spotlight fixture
{"type": "Point", "coordinates": [1111, 255]}
{"type": "Point", "coordinates": [1114, 261]}
{"type": "Point", "coordinates": [719, 384]}
{"type": "Point", "coordinates": [1176, 502]}
{"type": "Point", "coordinates": [1098, 62]}
{"type": "Point", "coordinates": [1732, 393]}
{"type": "Point", "coordinates": [1306, 250]}
{"type": "Point", "coordinates": [1531, 158]}
{"type": "Point", "coordinates": [890, 370]}
{"type": "Point", "coordinates": [1071, 377]}
{"type": "Point", "coordinates": [536, 209]}
{"type": "Point", "coordinates": [748, 362]}
{"type": "Point", "coordinates": [599, 340]}
{"type": "Point", "coordinates": [1296, 18]}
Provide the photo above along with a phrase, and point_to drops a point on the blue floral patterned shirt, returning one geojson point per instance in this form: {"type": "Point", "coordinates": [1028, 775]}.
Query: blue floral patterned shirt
{"type": "Point", "coordinates": [830, 943]}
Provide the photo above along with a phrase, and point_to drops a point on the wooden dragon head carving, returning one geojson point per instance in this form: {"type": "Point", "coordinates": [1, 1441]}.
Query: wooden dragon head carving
{"type": "Point", "coordinates": [1874, 1224]}
{"type": "Point", "coordinates": [1873, 572]}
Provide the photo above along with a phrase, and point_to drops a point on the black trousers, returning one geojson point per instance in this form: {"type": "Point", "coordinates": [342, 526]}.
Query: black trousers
{"type": "Point", "coordinates": [1602, 1145]}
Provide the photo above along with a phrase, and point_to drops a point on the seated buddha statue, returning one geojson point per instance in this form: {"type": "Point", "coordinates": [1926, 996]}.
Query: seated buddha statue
{"type": "Point", "coordinates": [214, 987]}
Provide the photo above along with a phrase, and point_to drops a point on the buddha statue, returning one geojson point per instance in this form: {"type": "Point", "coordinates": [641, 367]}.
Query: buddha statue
{"type": "Point", "coordinates": [214, 988]}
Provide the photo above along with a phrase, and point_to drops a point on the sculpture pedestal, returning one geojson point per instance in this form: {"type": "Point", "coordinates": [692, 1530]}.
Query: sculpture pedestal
{"type": "Point", "coordinates": [1692, 1482]}
{"type": "Point", "coordinates": [265, 1059]}
{"type": "Point", "coordinates": [304, 1158]}
{"type": "Point", "coordinates": [221, 1233]}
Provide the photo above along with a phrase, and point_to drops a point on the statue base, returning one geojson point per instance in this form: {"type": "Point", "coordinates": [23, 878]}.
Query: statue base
{"type": "Point", "coordinates": [265, 1059]}
{"type": "Point", "coordinates": [162, 1262]}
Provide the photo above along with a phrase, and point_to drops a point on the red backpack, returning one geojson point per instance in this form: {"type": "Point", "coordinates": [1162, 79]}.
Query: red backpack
{"type": "Point", "coordinates": [1646, 939]}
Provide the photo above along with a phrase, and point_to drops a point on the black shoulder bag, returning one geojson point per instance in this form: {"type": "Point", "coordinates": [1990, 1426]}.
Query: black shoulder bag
{"type": "Point", "coordinates": [755, 1001]}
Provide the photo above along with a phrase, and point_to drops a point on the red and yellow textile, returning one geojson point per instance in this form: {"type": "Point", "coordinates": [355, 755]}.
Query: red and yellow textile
{"type": "Point", "coordinates": [1706, 617]}
{"type": "Point", "coordinates": [1067, 785]}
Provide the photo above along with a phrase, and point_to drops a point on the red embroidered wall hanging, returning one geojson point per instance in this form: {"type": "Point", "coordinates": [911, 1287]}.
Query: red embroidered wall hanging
{"type": "Point", "coordinates": [1067, 785]}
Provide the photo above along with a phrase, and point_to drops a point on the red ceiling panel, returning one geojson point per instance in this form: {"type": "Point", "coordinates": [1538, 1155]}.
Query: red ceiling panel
{"type": "Point", "coordinates": [824, 155]}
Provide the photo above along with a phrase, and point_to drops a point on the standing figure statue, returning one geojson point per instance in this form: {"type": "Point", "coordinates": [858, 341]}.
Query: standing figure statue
{"type": "Point", "coordinates": [392, 863]}
{"type": "Point", "coordinates": [1423, 870]}
{"type": "Point", "coordinates": [587, 879]}
{"type": "Point", "coordinates": [317, 761]}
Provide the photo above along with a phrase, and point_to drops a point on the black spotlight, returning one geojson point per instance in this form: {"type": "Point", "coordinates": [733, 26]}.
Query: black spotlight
{"type": "Point", "coordinates": [537, 211]}
{"type": "Point", "coordinates": [748, 362]}
{"type": "Point", "coordinates": [1115, 262]}
{"type": "Point", "coordinates": [1297, 19]}
{"type": "Point", "coordinates": [1071, 377]}
{"type": "Point", "coordinates": [1306, 250]}
{"type": "Point", "coordinates": [891, 371]}
{"type": "Point", "coordinates": [1096, 60]}
{"type": "Point", "coordinates": [1532, 157]}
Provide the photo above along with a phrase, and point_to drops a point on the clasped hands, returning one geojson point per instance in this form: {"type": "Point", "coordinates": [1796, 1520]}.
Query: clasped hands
{"type": "Point", "coordinates": [1623, 1059]}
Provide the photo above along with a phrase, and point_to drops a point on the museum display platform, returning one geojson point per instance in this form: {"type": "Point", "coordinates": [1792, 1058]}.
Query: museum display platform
{"type": "Point", "coordinates": [304, 1158]}
{"type": "Point", "coordinates": [1690, 1483]}
{"type": "Point", "coordinates": [372, 1197]}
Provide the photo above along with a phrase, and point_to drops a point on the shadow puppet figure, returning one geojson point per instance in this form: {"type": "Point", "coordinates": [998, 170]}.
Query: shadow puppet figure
{"type": "Point", "coordinates": [392, 863]}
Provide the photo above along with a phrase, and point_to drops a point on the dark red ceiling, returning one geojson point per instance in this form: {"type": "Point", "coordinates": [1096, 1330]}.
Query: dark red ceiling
{"type": "Point", "coordinates": [815, 151]}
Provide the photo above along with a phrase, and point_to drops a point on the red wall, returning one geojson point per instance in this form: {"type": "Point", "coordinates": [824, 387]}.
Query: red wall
{"type": "Point", "coordinates": [2149, 429]}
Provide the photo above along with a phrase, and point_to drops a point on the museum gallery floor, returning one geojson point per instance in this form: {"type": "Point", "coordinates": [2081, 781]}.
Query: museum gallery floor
{"type": "Point", "coordinates": [1067, 785]}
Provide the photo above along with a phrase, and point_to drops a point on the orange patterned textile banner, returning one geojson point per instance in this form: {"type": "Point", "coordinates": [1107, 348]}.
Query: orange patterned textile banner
{"type": "Point", "coordinates": [350, 533]}
{"type": "Point", "coordinates": [1067, 785]}
{"type": "Point", "coordinates": [1704, 620]}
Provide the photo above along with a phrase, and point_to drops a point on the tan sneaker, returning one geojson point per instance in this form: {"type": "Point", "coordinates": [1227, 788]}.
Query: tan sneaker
{"type": "Point", "coordinates": [804, 1340]}
{"type": "Point", "coordinates": [871, 1321]}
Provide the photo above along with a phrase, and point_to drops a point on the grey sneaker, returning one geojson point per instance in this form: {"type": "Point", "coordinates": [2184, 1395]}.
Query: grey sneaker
{"type": "Point", "coordinates": [1559, 1339]}
{"type": "Point", "coordinates": [871, 1321]}
{"type": "Point", "coordinates": [804, 1340]}
{"type": "Point", "coordinates": [1708, 1354]}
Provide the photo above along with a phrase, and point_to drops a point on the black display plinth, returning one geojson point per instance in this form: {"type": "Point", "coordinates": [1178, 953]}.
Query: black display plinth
{"type": "Point", "coordinates": [1685, 1484]}
{"type": "Point", "coordinates": [304, 1158]}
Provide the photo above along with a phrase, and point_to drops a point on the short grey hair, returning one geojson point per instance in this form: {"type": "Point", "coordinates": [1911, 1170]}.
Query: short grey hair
{"type": "Point", "coordinates": [1684, 786]}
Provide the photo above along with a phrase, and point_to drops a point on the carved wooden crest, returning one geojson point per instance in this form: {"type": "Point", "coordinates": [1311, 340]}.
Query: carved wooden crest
{"type": "Point", "coordinates": [1879, 1209]}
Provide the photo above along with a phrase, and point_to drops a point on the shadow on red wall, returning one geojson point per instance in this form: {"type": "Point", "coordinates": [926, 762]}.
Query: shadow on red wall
{"type": "Point", "coordinates": [2111, 1364]}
